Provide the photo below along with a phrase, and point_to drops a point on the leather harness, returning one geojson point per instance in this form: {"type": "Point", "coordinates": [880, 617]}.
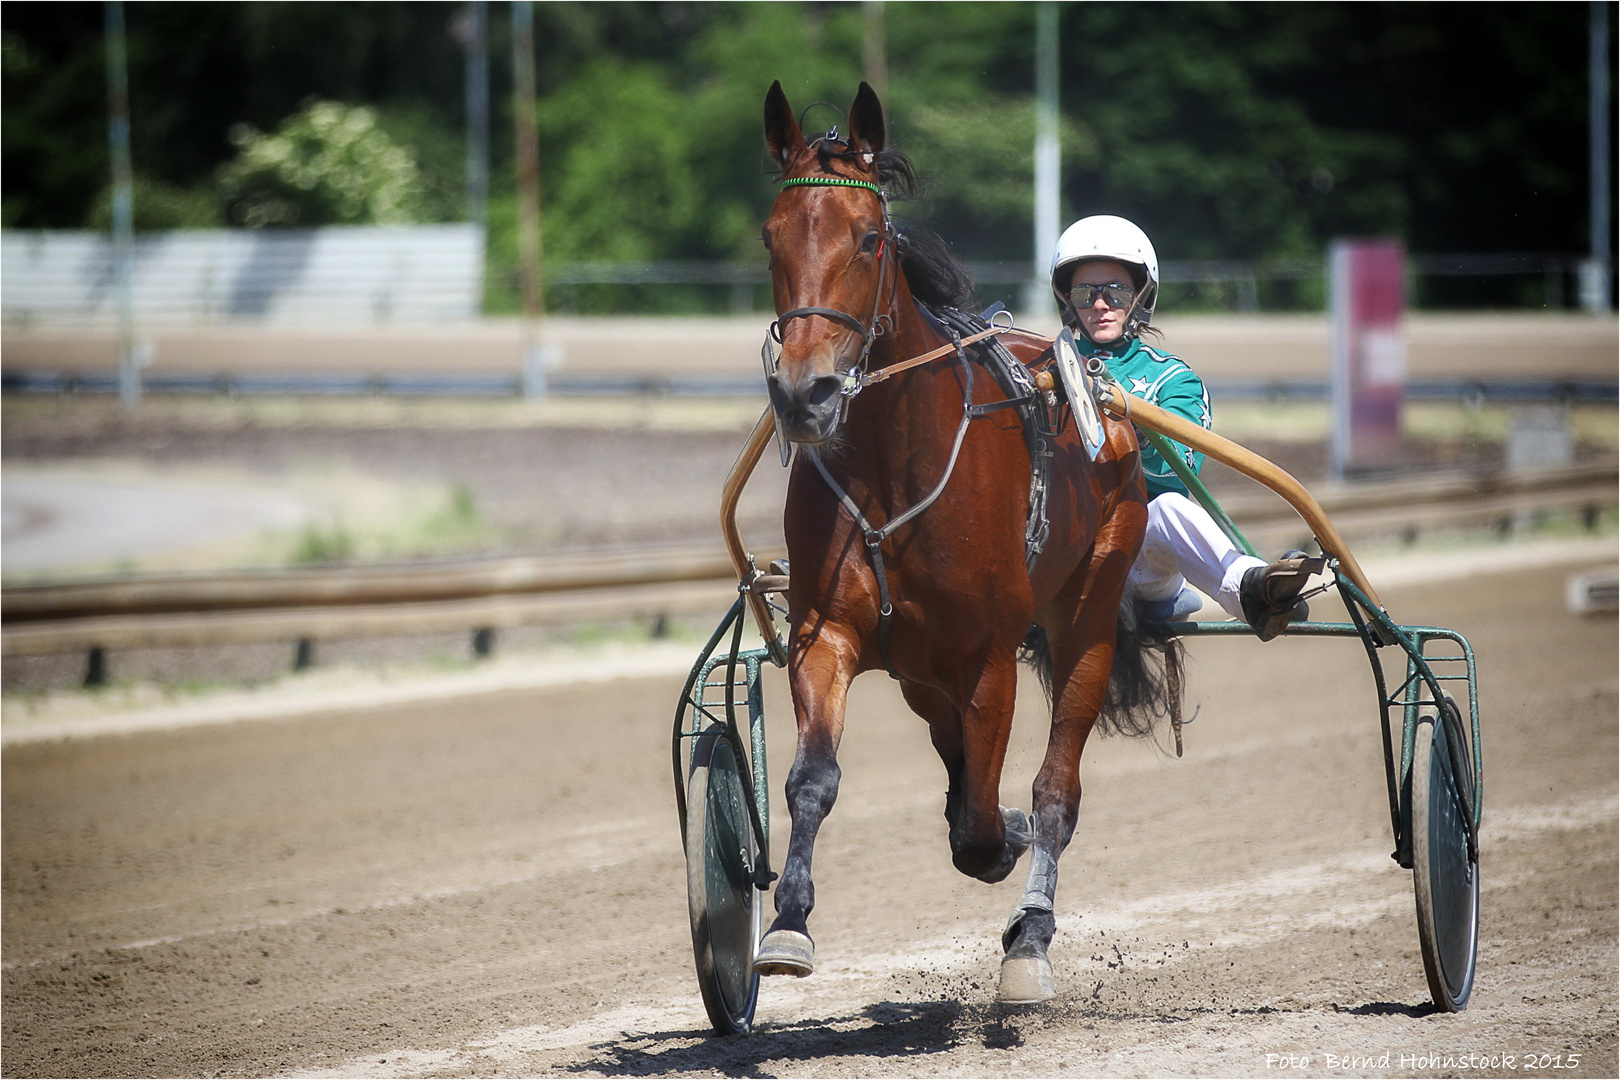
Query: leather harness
{"type": "Point", "coordinates": [965, 331]}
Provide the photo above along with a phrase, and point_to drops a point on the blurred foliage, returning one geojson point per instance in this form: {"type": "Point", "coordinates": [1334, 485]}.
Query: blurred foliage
{"type": "Point", "coordinates": [1230, 131]}
{"type": "Point", "coordinates": [161, 205]}
{"type": "Point", "coordinates": [328, 164]}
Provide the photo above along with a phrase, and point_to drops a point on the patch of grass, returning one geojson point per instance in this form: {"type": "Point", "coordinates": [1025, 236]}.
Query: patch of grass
{"type": "Point", "coordinates": [448, 524]}
{"type": "Point", "coordinates": [442, 661]}
{"type": "Point", "coordinates": [457, 519]}
{"type": "Point", "coordinates": [327, 543]}
{"type": "Point", "coordinates": [423, 524]}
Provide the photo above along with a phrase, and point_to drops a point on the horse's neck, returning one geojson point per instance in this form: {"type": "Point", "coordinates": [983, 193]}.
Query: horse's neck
{"type": "Point", "coordinates": [905, 423]}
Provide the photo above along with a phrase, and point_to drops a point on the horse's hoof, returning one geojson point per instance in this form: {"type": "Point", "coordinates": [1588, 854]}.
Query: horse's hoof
{"type": "Point", "coordinates": [785, 952]}
{"type": "Point", "coordinates": [1020, 830]}
{"type": "Point", "coordinates": [1026, 980]}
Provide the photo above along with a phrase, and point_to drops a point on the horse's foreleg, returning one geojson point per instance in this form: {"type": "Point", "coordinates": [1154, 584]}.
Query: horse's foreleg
{"type": "Point", "coordinates": [945, 730]}
{"type": "Point", "coordinates": [820, 677]}
{"type": "Point", "coordinates": [1026, 973]}
{"type": "Point", "coordinates": [986, 837]}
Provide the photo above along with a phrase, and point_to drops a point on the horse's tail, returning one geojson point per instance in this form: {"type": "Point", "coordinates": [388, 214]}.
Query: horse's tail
{"type": "Point", "coordinates": [1144, 685]}
{"type": "Point", "coordinates": [1036, 651]}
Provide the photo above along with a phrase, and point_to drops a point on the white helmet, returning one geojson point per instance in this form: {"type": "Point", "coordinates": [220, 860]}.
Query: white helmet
{"type": "Point", "coordinates": [1104, 236]}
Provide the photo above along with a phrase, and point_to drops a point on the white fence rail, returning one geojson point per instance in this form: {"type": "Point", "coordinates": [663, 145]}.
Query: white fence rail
{"type": "Point", "coordinates": [335, 275]}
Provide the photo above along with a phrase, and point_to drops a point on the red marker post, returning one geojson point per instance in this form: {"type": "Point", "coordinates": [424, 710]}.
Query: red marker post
{"type": "Point", "coordinates": [1368, 283]}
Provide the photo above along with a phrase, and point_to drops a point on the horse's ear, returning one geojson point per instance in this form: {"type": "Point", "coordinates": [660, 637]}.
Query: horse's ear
{"type": "Point", "coordinates": [866, 122]}
{"type": "Point", "coordinates": [782, 135]}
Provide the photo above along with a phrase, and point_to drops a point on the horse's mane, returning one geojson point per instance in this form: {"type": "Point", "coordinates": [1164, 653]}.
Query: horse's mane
{"type": "Point", "coordinates": [936, 276]}
{"type": "Point", "coordinates": [933, 272]}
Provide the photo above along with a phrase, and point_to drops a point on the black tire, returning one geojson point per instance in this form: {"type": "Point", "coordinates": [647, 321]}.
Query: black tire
{"type": "Point", "coordinates": [1445, 876]}
{"type": "Point", "coordinates": [724, 904]}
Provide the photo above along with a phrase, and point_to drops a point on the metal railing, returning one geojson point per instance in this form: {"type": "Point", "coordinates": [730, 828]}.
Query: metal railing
{"type": "Point", "coordinates": [1244, 276]}
{"type": "Point", "coordinates": [373, 274]}
{"type": "Point", "coordinates": [353, 601]}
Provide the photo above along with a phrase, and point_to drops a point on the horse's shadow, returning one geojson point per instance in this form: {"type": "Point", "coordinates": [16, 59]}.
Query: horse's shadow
{"type": "Point", "coordinates": [1389, 1008]}
{"type": "Point", "coordinates": [893, 1030]}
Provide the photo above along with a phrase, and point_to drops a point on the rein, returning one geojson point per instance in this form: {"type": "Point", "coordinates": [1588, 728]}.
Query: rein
{"type": "Point", "coordinates": [944, 350]}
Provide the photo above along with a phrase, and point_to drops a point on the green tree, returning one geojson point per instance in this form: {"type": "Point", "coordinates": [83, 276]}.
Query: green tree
{"type": "Point", "coordinates": [328, 164]}
{"type": "Point", "coordinates": [1255, 131]}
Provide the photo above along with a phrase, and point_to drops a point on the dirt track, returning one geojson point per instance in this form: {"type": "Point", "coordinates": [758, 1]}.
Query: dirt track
{"type": "Point", "coordinates": [493, 886]}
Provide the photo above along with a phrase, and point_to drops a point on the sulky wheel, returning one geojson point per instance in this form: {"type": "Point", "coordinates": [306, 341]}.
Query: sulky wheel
{"type": "Point", "coordinates": [1447, 878]}
{"type": "Point", "coordinates": [725, 906]}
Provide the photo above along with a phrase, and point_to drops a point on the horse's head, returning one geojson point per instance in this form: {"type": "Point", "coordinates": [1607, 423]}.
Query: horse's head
{"type": "Point", "coordinates": [833, 262]}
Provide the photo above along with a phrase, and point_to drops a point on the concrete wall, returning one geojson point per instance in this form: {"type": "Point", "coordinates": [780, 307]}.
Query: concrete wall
{"type": "Point", "coordinates": [1282, 347]}
{"type": "Point", "coordinates": [336, 275]}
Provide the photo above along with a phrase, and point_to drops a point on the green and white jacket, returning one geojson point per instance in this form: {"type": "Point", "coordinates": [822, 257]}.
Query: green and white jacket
{"type": "Point", "coordinates": [1170, 384]}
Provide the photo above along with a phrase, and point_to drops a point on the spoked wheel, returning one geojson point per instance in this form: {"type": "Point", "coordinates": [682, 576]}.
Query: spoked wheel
{"type": "Point", "coordinates": [1447, 878]}
{"type": "Point", "coordinates": [725, 906]}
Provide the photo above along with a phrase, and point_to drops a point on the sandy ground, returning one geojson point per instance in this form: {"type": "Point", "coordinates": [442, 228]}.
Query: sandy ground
{"type": "Point", "coordinates": [492, 885]}
{"type": "Point", "coordinates": [480, 873]}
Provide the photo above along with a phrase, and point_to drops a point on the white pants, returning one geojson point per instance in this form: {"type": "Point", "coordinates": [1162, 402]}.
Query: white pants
{"type": "Point", "coordinates": [1184, 546]}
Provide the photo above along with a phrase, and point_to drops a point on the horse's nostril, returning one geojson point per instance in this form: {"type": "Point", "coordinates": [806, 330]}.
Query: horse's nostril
{"type": "Point", "coordinates": [823, 390]}
{"type": "Point", "coordinates": [812, 396]}
{"type": "Point", "coordinates": [780, 398]}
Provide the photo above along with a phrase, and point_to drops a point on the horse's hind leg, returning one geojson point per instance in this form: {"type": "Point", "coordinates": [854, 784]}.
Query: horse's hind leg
{"type": "Point", "coordinates": [821, 676]}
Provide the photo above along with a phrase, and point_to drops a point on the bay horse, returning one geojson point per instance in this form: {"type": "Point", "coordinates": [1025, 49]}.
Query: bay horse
{"type": "Point", "coordinates": [943, 599]}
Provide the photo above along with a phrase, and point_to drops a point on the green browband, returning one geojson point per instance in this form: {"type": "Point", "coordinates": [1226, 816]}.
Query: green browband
{"type": "Point", "coordinates": [833, 181]}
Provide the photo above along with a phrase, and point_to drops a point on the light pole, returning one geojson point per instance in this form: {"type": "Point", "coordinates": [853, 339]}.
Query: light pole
{"type": "Point", "coordinates": [1047, 166]}
{"type": "Point", "coordinates": [1596, 271]}
{"type": "Point", "coordinates": [874, 57]}
{"type": "Point", "coordinates": [473, 30]}
{"type": "Point", "coordinates": [123, 203]}
{"type": "Point", "coordinates": [535, 356]}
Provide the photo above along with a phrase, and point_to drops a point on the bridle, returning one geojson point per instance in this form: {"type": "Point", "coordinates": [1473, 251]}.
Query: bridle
{"type": "Point", "coordinates": [878, 323]}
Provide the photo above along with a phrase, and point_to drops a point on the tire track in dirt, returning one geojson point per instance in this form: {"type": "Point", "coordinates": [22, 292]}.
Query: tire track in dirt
{"type": "Point", "coordinates": [1343, 891]}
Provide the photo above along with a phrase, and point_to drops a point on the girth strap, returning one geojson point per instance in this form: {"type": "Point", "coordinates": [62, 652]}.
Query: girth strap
{"type": "Point", "coordinates": [1039, 433]}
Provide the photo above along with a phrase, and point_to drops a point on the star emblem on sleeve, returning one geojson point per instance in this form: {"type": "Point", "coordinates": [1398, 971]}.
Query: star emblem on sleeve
{"type": "Point", "coordinates": [1140, 386]}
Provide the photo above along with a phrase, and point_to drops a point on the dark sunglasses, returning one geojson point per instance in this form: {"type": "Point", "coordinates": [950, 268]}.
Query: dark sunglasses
{"type": "Point", "coordinates": [1114, 295]}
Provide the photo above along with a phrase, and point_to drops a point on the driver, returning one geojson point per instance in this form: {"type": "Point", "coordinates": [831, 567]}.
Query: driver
{"type": "Point", "coordinates": [1106, 277]}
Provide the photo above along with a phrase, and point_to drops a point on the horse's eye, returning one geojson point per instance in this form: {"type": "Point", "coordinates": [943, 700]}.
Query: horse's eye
{"type": "Point", "coordinates": [870, 243]}
{"type": "Point", "coordinates": [765, 238]}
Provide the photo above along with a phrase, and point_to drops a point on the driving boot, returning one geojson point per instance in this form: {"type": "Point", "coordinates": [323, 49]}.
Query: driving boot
{"type": "Point", "coordinates": [1270, 594]}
